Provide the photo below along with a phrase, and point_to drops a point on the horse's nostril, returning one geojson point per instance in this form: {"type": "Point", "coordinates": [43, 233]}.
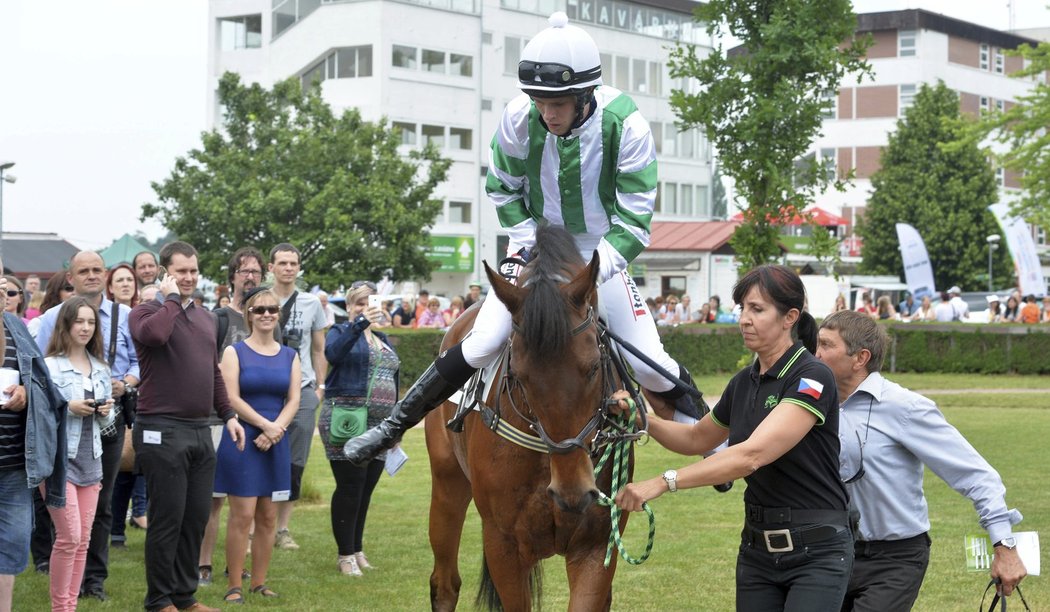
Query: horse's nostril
{"type": "Point", "coordinates": [576, 507]}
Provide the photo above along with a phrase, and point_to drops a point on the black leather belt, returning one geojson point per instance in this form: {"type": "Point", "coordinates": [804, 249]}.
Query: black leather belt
{"type": "Point", "coordinates": [763, 515]}
{"type": "Point", "coordinates": [786, 540]}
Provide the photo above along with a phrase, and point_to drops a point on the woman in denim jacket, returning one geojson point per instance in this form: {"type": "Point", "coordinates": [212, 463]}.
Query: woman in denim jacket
{"type": "Point", "coordinates": [362, 371]}
{"type": "Point", "coordinates": [75, 360]}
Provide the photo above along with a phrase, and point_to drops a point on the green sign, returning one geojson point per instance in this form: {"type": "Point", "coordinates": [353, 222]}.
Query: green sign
{"type": "Point", "coordinates": [456, 253]}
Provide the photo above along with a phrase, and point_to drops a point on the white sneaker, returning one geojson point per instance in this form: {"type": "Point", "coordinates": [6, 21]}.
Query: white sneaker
{"type": "Point", "coordinates": [284, 541]}
{"type": "Point", "coordinates": [348, 565]}
{"type": "Point", "coordinates": [362, 561]}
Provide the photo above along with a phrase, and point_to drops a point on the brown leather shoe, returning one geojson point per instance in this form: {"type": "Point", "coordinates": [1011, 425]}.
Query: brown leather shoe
{"type": "Point", "coordinates": [199, 607]}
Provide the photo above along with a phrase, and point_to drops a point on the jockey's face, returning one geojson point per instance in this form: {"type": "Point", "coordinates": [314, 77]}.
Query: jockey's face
{"type": "Point", "coordinates": [558, 113]}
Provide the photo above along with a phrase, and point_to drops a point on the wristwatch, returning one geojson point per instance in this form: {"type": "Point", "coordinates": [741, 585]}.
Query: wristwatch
{"type": "Point", "coordinates": [1009, 542]}
{"type": "Point", "coordinates": [671, 478]}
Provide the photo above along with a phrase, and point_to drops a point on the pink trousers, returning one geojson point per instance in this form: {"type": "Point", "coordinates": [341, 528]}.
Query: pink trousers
{"type": "Point", "coordinates": [72, 534]}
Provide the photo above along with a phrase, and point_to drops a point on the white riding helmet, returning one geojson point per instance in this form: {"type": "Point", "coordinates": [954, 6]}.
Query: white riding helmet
{"type": "Point", "coordinates": [562, 59]}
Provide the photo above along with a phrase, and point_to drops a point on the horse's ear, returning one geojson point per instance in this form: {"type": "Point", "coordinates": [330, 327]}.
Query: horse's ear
{"type": "Point", "coordinates": [583, 288]}
{"type": "Point", "coordinates": [510, 294]}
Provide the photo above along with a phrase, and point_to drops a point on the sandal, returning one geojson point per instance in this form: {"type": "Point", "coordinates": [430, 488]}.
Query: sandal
{"type": "Point", "coordinates": [263, 590]}
{"type": "Point", "coordinates": [229, 597]}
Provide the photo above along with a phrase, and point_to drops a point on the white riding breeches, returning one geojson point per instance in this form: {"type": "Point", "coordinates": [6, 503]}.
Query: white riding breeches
{"type": "Point", "coordinates": [626, 314]}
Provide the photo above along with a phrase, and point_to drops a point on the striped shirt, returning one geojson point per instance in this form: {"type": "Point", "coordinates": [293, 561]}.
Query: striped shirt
{"type": "Point", "coordinates": [12, 424]}
{"type": "Point", "coordinates": [599, 182]}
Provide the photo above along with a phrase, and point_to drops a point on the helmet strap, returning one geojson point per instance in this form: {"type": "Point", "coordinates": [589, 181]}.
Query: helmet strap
{"type": "Point", "coordinates": [584, 108]}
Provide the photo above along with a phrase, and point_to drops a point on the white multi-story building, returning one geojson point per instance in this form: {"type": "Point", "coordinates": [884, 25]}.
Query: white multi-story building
{"type": "Point", "coordinates": [442, 71]}
{"type": "Point", "coordinates": [913, 47]}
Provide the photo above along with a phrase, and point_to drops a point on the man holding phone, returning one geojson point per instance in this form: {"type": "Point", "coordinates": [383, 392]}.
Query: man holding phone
{"type": "Point", "coordinates": [181, 386]}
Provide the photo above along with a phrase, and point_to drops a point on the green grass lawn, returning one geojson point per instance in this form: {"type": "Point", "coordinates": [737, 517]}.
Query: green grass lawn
{"type": "Point", "coordinates": [692, 565]}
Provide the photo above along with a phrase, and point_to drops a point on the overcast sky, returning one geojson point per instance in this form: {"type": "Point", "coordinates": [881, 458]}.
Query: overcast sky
{"type": "Point", "coordinates": [98, 98]}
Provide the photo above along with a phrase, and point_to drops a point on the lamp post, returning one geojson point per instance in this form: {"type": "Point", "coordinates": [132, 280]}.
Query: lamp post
{"type": "Point", "coordinates": [993, 244]}
{"type": "Point", "coordinates": [4, 165]}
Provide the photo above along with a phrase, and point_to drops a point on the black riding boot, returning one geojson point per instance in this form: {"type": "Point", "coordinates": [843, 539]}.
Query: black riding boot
{"type": "Point", "coordinates": [683, 401]}
{"type": "Point", "coordinates": [443, 378]}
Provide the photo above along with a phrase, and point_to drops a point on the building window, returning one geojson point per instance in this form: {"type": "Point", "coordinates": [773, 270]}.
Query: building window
{"type": "Point", "coordinates": [829, 98]}
{"type": "Point", "coordinates": [671, 198]}
{"type": "Point", "coordinates": [983, 62]}
{"type": "Point", "coordinates": [404, 57]}
{"type": "Point", "coordinates": [623, 73]}
{"type": "Point", "coordinates": [240, 32]}
{"type": "Point", "coordinates": [313, 75]}
{"type": "Point", "coordinates": [460, 65]}
{"type": "Point", "coordinates": [984, 104]}
{"type": "Point", "coordinates": [688, 141]}
{"type": "Point", "coordinates": [1040, 236]}
{"type": "Point", "coordinates": [907, 98]}
{"type": "Point", "coordinates": [703, 205]}
{"type": "Point", "coordinates": [434, 134]}
{"type": "Point", "coordinates": [685, 207]}
{"type": "Point", "coordinates": [460, 138]}
{"type": "Point", "coordinates": [999, 61]}
{"type": "Point", "coordinates": [511, 54]}
{"type": "Point", "coordinates": [433, 61]}
{"type": "Point", "coordinates": [906, 43]}
{"type": "Point", "coordinates": [1000, 105]}
{"type": "Point", "coordinates": [657, 130]}
{"type": "Point", "coordinates": [458, 212]}
{"type": "Point", "coordinates": [486, 104]}
{"type": "Point", "coordinates": [827, 161]}
{"type": "Point", "coordinates": [656, 73]}
{"type": "Point", "coordinates": [408, 132]}
{"type": "Point", "coordinates": [350, 62]}
{"type": "Point", "coordinates": [1000, 176]}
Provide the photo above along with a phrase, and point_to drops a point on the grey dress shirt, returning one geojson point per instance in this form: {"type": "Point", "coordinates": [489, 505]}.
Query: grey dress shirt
{"type": "Point", "coordinates": [900, 431]}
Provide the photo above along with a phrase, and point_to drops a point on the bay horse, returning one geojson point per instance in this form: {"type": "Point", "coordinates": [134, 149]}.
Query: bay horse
{"type": "Point", "coordinates": [533, 504]}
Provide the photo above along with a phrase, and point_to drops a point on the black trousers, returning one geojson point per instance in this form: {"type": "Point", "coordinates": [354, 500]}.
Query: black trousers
{"type": "Point", "coordinates": [350, 501]}
{"type": "Point", "coordinates": [96, 570]}
{"type": "Point", "coordinates": [43, 536]}
{"type": "Point", "coordinates": [178, 461]}
{"type": "Point", "coordinates": [811, 577]}
{"type": "Point", "coordinates": [887, 575]}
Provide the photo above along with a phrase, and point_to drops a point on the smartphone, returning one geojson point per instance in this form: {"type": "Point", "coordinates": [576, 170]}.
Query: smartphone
{"type": "Point", "coordinates": [375, 301]}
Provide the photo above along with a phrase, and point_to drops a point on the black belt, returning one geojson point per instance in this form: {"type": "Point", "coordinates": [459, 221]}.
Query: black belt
{"type": "Point", "coordinates": [763, 515]}
{"type": "Point", "coordinates": [786, 540]}
{"type": "Point", "coordinates": [866, 547]}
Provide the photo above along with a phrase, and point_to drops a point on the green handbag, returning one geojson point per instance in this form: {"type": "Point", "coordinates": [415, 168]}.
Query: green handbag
{"type": "Point", "coordinates": [350, 422]}
{"type": "Point", "coordinates": [347, 423]}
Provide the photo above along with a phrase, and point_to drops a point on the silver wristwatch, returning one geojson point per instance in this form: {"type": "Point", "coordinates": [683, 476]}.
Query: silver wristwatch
{"type": "Point", "coordinates": [1009, 542]}
{"type": "Point", "coordinates": [671, 478]}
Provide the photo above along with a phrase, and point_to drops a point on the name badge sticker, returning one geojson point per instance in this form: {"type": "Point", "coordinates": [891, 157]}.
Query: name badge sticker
{"type": "Point", "coordinates": [279, 496]}
{"type": "Point", "coordinates": [150, 437]}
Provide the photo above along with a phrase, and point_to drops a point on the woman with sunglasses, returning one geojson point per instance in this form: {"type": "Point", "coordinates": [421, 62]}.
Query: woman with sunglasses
{"type": "Point", "coordinates": [262, 380]}
{"type": "Point", "coordinates": [362, 377]}
{"type": "Point", "coordinates": [16, 298]}
{"type": "Point", "coordinates": [79, 371]}
{"type": "Point", "coordinates": [888, 434]}
{"type": "Point", "coordinates": [780, 416]}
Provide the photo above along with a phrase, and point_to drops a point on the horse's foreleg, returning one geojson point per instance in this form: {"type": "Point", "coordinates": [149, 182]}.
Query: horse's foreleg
{"type": "Point", "coordinates": [590, 582]}
{"type": "Point", "coordinates": [449, 498]}
{"type": "Point", "coordinates": [511, 574]}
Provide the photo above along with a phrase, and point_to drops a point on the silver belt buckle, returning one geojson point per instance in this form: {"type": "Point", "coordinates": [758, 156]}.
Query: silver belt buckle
{"type": "Point", "coordinates": [777, 533]}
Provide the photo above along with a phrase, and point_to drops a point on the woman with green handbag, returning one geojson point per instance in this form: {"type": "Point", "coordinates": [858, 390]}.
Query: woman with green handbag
{"type": "Point", "coordinates": [360, 391]}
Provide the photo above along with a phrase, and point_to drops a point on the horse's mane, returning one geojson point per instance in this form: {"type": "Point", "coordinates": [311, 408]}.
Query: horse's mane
{"type": "Point", "coordinates": [545, 321]}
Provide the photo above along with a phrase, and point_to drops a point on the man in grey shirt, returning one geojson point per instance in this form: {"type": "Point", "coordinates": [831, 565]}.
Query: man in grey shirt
{"type": "Point", "coordinates": [887, 433]}
{"type": "Point", "coordinates": [302, 325]}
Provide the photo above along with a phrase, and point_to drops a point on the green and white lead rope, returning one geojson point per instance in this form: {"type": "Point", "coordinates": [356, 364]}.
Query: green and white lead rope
{"type": "Point", "coordinates": [619, 451]}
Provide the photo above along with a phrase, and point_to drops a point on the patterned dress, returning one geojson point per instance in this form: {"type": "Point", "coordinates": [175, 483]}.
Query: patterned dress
{"type": "Point", "coordinates": [383, 362]}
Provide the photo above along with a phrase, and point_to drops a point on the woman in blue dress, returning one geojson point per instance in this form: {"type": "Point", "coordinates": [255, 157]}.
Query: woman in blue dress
{"type": "Point", "coordinates": [262, 380]}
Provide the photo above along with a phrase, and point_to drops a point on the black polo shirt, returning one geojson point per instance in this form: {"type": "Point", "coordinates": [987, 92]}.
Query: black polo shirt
{"type": "Point", "coordinates": [807, 476]}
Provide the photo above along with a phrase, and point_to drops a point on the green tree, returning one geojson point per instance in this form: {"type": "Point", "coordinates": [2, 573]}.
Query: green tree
{"type": "Point", "coordinates": [762, 107]}
{"type": "Point", "coordinates": [285, 168]}
{"type": "Point", "coordinates": [825, 247]}
{"type": "Point", "coordinates": [943, 188]}
{"type": "Point", "coordinates": [1023, 128]}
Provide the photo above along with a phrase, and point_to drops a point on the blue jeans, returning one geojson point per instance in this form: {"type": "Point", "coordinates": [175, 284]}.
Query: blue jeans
{"type": "Point", "coordinates": [16, 521]}
{"type": "Point", "coordinates": [811, 577]}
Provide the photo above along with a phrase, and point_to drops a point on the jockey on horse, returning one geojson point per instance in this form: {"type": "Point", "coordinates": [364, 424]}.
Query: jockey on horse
{"type": "Point", "coordinates": [574, 153]}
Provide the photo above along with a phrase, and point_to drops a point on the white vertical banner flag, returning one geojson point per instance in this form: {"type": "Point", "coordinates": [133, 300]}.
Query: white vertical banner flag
{"type": "Point", "coordinates": [918, 273]}
{"type": "Point", "coordinates": [1022, 249]}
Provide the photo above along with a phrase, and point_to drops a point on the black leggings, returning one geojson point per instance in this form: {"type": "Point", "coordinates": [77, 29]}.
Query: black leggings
{"type": "Point", "coordinates": [353, 493]}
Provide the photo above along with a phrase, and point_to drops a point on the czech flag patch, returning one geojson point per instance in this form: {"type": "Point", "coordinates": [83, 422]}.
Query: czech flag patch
{"type": "Point", "coordinates": [810, 387]}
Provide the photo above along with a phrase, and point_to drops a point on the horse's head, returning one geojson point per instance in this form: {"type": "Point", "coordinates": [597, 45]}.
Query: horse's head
{"type": "Point", "coordinates": [556, 357]}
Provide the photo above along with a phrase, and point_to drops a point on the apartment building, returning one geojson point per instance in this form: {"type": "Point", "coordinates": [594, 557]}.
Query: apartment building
{"type": "Point", "coordinates": [910, 48]}
{"type": "Point", "coordinates": [442, 71]}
